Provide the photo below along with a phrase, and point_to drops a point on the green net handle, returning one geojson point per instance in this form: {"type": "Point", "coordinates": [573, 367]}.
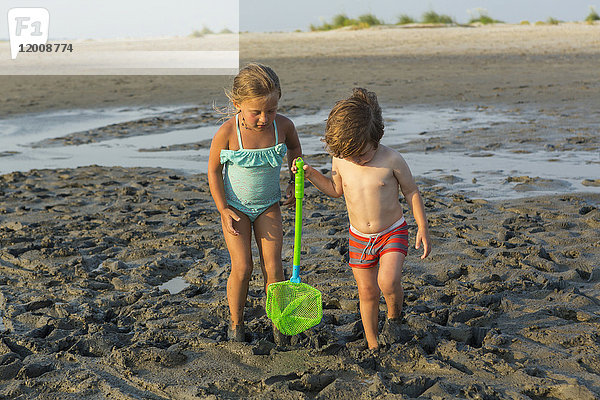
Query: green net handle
{"type": "Point", "coordinates": [299, 194]}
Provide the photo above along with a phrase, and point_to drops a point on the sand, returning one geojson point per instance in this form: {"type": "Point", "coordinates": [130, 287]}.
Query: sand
{"type": "Point", "coordinates": [506, 306]}
{"type": "Point", "coordinates": [542, 65]}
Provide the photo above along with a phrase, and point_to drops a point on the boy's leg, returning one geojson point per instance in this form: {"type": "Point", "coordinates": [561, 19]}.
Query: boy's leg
{"type": "Point", "coordinates": [268, 233]}
{"type": "Point", "coordinates": [241, 268]}
{"type": "Point", "coordinates": [389, 280]}
{"type": "Point", "coordinates": [368, 294]}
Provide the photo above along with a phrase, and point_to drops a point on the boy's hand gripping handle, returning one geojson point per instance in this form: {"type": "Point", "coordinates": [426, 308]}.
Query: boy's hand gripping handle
{"type": "Point", "coordinates": [299, 194]}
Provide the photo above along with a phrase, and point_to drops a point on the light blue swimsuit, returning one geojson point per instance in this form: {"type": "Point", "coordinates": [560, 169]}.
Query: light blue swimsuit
{"type": "Point", "coordinates": [251, 176]}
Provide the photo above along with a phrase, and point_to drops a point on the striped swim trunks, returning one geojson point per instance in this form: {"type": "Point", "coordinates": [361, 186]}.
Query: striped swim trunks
{"type": "Point", "coordinates": [367, 248]}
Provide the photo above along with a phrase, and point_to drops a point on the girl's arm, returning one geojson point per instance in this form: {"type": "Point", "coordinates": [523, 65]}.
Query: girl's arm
{"type": "Point", "coordinates": [330, 186]}
{"type": "Point", "coordinates": [294, 151]}
{"type": "Point", "coordinates": [215, 180]}
{"type": "Point", "coordinates": [415, 201]}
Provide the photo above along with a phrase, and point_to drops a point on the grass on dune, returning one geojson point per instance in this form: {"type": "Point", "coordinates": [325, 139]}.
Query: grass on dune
{"type": "Point", "coordinates": [368, 20]}
{"type": "Point", "coordinates": [484, 19]}
{"type": "Point", "coordinates": [552, 21]}
{"type": "Point", "coordinates": [549, 21]}
{"type": "Point", "coordinates": [199, 33]}
{"type": "Point", "coordinates": [342, 21]}
{"type": "Point", "coordinates": [592, 16]}
{"type": "Point", "coordinates": [207, 31]}
{"type": "Point", "coordinates": [431, 17]}
{"type": "Point", "coordinates": [405, 20]}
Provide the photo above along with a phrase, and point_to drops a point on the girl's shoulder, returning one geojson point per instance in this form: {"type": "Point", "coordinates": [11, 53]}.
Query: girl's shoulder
{"type": "Point", "coordinates": [228, 124]}
{"type": "Point", "coordinates": [283, 122]}
{"type": "Point", "coordinates": [227, 128]}
{"type": "Point", "coordinates": [225, 135]}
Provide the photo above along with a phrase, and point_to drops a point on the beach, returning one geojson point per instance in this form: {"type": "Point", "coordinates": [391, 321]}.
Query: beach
{"type": "Point", "coordinates": [113, 276]}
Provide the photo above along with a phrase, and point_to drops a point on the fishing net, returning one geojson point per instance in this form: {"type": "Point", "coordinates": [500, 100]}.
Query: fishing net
{"type": "Point", "coordinates": [293, 307]}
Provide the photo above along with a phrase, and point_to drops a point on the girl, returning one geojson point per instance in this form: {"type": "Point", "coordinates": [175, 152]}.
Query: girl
{"type": "Point", "coordinates": [243, 174]}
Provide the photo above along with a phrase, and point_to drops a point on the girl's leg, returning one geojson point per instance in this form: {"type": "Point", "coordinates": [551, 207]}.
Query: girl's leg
{"type": "Point", "coordinates": [389, 280]}
{"type": "Point", "coordinates": [268, 233]}
{"type": "Point", "coordinates": [241, 268]}
{"type": "Point", "coordinates": [368, 295]}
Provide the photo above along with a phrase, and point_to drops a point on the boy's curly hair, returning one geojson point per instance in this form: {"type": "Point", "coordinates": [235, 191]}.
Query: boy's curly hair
{"type": "Point", "coordinates": [353, 124]}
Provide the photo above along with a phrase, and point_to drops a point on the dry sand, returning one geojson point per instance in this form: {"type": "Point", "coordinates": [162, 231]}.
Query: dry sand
{"type": "Point", "coordinates": [554, 65]}
{"type": "Point", "coordinates": [506, 306]}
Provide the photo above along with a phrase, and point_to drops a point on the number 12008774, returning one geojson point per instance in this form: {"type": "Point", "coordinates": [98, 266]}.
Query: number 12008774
{"type": "Point", "coordinates": [46, 48]}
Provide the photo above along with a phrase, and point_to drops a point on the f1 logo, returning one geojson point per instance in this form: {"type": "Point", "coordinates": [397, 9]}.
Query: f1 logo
{"type": "Point", "coordinates": [27, 26]}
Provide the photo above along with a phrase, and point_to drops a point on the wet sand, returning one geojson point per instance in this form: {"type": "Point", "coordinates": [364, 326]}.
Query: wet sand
{"type": "Point", "coordinates": [506, 306]}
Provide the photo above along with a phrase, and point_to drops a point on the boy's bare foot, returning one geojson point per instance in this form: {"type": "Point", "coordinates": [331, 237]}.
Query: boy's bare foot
{"type": "Point", "coordinates": [236, 333]}
{"type": "Point", "coordinates": [394, 332]}
{"type": "Point", "coordinates": [357, 346]}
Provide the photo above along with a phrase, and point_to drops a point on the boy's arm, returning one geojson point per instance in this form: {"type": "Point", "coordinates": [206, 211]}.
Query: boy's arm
{"type": "Point", "coordinates": [330, 186]}
{"type": "Point", "coordinates": [415, 201]}
{"type": "Point", "coordinates": [418, 210]}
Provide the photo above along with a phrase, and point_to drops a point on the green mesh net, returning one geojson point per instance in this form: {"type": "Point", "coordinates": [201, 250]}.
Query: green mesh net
{"type": "Point", "coordinates": [293, 307]}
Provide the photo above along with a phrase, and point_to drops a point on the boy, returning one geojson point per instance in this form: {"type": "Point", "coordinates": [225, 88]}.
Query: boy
{"type": "Point", "coordinates": [370, 175]}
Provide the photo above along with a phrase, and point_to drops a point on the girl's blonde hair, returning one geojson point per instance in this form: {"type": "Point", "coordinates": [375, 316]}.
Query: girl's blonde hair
{"type": "Point", "coordinates": [353, 124]}
{"type": "Point", "coordinates": [254, 80]}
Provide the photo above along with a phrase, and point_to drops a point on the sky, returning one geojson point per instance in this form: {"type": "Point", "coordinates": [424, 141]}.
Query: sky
{"type": "Point", "coordinates": [112, 19]}
{"type": "Point", "coordinates": [104, 19]}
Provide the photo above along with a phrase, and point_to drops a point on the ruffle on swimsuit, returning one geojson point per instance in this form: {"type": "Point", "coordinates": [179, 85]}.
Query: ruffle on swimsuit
{"type": "Point", "coordinates": [272, 156]}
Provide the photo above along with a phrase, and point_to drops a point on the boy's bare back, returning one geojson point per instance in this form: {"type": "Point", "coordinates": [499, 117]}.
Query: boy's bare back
{"type": "Point", "coordinates": [371, 190]}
